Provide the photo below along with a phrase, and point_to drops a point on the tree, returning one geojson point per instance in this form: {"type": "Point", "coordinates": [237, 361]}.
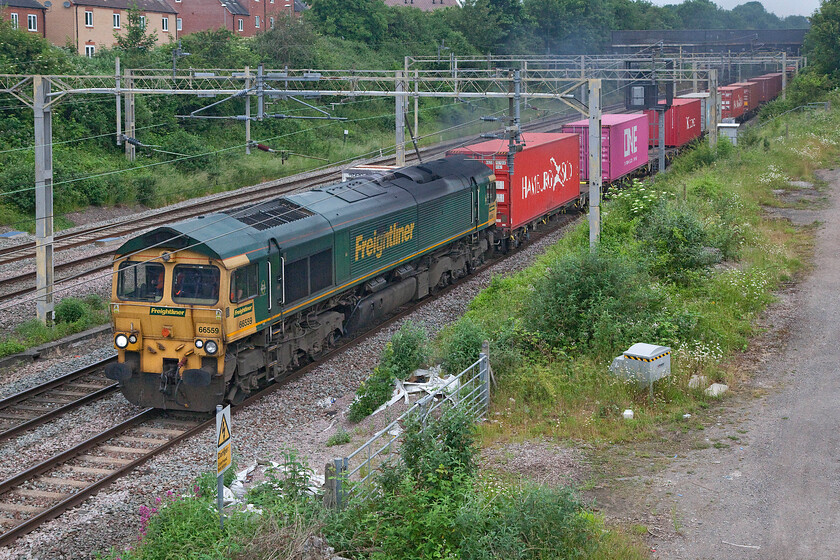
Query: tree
{"type": "Point", "coordinates": [754, 16]}
{"type": "Point", "coordinates": [22, 52]}
{"type": "Point", "coordinates": [136, 38]}
{"type": "Point", "coordinates": [822, 42]}
{"type": "Point", "coordinates": [291, 42]}
{"type": "Point", "coordinates": [354, 20]}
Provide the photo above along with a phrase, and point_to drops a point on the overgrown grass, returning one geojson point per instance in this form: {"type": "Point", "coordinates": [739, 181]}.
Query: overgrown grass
{"type": "Point", "coordinates": [402, 355]}
{"type": "Point", "coordinates": [433, 503]}
{"type": "Point", "coordinates": [686, 260]}
{"type": "Point", "coordinates": [72, 315]}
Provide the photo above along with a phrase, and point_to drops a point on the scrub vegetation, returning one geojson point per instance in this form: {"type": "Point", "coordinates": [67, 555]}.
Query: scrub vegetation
{"type": "Point", "coordinates": [687, 259]}
{"type": "Point", "coordinates": [72, 315]}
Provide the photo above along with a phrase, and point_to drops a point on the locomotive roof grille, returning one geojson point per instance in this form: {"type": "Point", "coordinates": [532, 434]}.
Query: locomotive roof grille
{"type": "Point", "coordinates": [270, 214]}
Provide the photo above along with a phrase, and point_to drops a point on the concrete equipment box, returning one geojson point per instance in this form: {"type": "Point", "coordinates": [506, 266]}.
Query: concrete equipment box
{"type": "Point", "coordinates": [643, 362]}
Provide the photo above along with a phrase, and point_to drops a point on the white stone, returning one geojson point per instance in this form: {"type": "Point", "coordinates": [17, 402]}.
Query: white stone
{"type": "Point", "coordinates": [716, 389]}
{"type": "Point", "coordinates": [628, 414]}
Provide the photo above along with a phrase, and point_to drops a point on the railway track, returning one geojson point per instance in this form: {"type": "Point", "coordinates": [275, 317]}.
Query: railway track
{"type": "Point", "coordinates": [44, 491]}
{"type": "Point", "coordinates": [31, 408]}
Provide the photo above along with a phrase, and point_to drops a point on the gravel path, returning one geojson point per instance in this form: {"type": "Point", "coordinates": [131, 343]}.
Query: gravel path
{"type": "Point", "coordinates": [301, 416]}
{"type": "Point", "coordinates": [771, 491]}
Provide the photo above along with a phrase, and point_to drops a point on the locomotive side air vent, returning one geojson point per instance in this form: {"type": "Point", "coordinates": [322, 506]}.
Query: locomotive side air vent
{"type": "Point", "coordinates": [270, 214]}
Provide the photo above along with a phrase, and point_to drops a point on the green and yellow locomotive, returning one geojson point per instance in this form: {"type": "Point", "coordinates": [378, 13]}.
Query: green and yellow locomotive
{"type": "Point", "coordinates": [208, 310]}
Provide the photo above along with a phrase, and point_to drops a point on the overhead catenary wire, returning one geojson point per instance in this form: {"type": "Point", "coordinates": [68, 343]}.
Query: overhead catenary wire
{"type": "Point", "coordinates": [58, 288]}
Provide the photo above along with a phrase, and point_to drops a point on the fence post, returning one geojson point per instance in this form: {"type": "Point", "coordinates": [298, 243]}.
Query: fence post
{"type": "Point", "coordinates": [484, 369]}
{"type": "Point", "coordinates": [334, 474]}
{"type": "Point", "coordinates": [330, 481]}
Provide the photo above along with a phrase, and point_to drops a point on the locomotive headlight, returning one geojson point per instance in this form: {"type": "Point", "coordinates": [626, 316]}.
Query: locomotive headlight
{"type": "Point", "coordinates": [121, 340]}
{"type": "Point", "coordinates": [210, 347]}
{"type": "Point", "coordinates": [199, 343]}
{"type": "Point", "coordinates": [132, 338]}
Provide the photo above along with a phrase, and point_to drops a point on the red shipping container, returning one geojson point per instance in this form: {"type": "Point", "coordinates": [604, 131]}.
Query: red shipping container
{"type": "Point", "coordinates": [624, 145]}
{"type": "Point", "coordinates": [546, 175]}
{"type": "Point", "coordinates": [776, 80]}
{"type": "Point", "coordinates": [682, 122]}
{"type": "Point", "coordinates": [772, 85]}
{"type": "Point", "coordinates": [761, 89]}
{"type": "Point", "coordinates": [752, 94]}
{"type": "Point", "coordinates": [731, 101]}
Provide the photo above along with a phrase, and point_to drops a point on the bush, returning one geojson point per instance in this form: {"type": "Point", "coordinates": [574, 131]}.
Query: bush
{"type": "Point", "coordinates": [147, 190]}
{"type": "Point", "coordinates": [9, 346]}
{"type": "Point", "coordinates": [676, 240]}
{"type": "Point", "coordinates": [461, 345]}
{"type": "Point", "coordinates": [70, 310]}
{"type": "Point", "coordinates": [591, 302]}
{"type": "Point", "coordinates": [402, 355]}
{"type": "Point", "coordinates": [340, 437]}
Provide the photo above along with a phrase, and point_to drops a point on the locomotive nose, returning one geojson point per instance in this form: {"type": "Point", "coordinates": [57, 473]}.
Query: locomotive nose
{"type": "Point", "coordinates": [118, 372]}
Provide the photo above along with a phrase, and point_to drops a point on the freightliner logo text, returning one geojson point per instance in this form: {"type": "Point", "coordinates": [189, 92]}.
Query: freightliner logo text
{"type": "Point", "coordinates": [378, 242]}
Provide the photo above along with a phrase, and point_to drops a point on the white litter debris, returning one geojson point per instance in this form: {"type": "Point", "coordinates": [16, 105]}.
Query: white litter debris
{"type": "Point", "coordinates": [628, 414]}
{"type": "Point", "coordinates": [435, 385]}
{"type": "Point", "coordinates": [686, 416]}
{"type": "Point", "coordinates": [716, 389]}
{"type": "Point", "coordinates": [237, 488]}
{"type": "Point", "coordinates": [229, 497]}
{"type": "Point", "coordinates": [326, 402]}
{"type": "Point", "coordinates": [395, 431]}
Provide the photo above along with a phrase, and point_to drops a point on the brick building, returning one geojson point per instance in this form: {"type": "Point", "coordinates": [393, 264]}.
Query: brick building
{"type": "Point", "coordinates": [425, 5]}
{"type": "Point", "coordinates": [25, 14]}
{"type": "Point", "coordinates": [243, 17]}
{"type": "Point", "coordinates": [89, 25]}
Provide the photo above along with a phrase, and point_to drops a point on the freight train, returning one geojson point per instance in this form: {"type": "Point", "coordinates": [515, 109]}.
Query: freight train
{"type": "Point", "coordinates": [209, 310]}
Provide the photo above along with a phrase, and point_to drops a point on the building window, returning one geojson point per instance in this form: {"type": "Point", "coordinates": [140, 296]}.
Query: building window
{"type": "Point", "coordinates": [257, 22]}
{"type": "Point", "coordinates": [142, 22]}
{"type": "Point", "coordinates": [32, 22]}
{"type": "Point", "coordinates": [14, 21]}
{"type": "Point", "coordinates": [179, 24]}
{"type": "Point", "coordinates": [116, 21]}
{"type": "Point", "coordinates": [90, 50]}
{"type": "Point", "coordinates": [271, 22]}
{"type": "Point", "coordinates": [164, 23]}
{"type": "Point", "coordinates": [88, 19]}
{"type": "Point", "coordinates": [241, 25]}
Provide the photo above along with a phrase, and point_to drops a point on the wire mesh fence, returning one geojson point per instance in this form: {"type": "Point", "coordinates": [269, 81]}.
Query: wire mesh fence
{"type": "Point", "coordinates": [469, 391]}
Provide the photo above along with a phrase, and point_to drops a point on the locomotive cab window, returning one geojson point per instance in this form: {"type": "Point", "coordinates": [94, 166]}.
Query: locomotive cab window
{"type": "Point", "coordinates": [491, 192]}
{"type": "Point", "coordinates": [244, 283]}
{"type": "Point", "coordinates": [138, 281]}
{"type": "Point", "coordinates": [195, 284]}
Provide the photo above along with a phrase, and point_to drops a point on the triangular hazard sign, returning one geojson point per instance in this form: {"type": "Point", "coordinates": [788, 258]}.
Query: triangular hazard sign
{"type": "Point", "coordinates": [224, 432]}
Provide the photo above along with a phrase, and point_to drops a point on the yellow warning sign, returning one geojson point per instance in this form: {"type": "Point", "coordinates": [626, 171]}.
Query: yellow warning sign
{"type": "Point", "coordinates": [224, 432]}
{"type": "Point", "coordinates": [223, 459]}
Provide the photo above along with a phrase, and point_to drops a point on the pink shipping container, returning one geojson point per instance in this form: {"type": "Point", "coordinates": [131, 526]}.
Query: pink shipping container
{"type": "Point", "coordinates": [752, 94]}
{"type": "Point", "coordinates": [546, 175]}
{"type": "Point", "coordinates": [731, 101]}
{"type": "Point", "coordinates": [624, 145]}
{"type": "Point", "coordinates": [682, 123]}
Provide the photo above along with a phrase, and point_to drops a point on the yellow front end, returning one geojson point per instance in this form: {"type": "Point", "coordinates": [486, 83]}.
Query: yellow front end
{"type": "Point", "coordinates": [168, 329]}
